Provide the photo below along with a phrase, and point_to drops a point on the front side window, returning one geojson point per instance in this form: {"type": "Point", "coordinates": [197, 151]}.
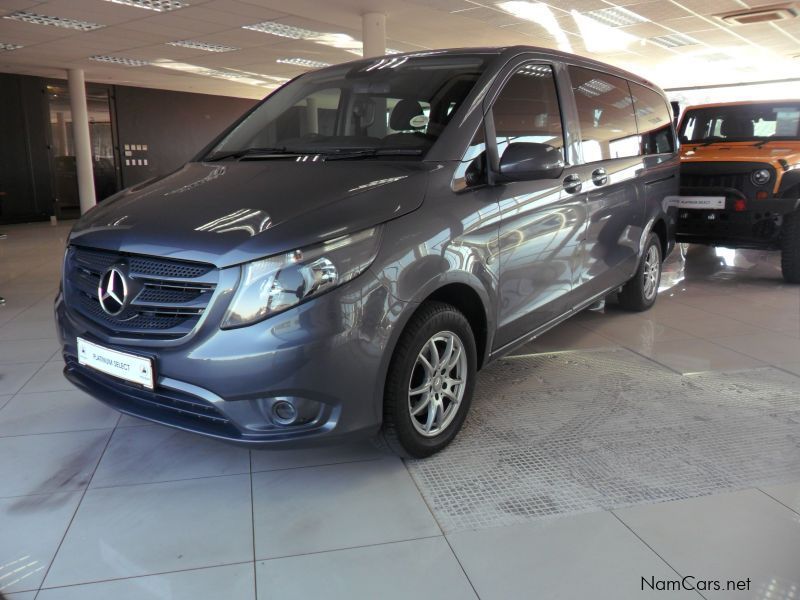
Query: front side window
{"type": "Point", "coordinates": [605, 113]}
{"type": "Point", "coordinates": [527, 109]}
{"type": "Point", "coordinates": [399, 103]}
{"type": "Point", "coordinates": [741, 123]}
{"type": "Point", "coordinates": [654, 120]}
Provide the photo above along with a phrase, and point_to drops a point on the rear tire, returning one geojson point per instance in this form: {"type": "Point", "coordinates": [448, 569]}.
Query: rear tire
{"type": "Point", "coordinates": [790, 248]}
{"type": "Point", "coordinates": [432, 374]}
{"type": "Point", "coordinates": [641, 291]}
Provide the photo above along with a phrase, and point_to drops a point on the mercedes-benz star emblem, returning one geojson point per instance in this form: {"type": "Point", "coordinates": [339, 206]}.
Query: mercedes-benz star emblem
{"type": "Point", "coordinates": [112, 292]}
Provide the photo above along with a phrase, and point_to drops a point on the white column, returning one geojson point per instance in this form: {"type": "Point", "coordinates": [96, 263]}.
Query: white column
{"type": "Point", "coordinates": [80, 135]}
{"type": "Point", "coordinates": [373, 34]}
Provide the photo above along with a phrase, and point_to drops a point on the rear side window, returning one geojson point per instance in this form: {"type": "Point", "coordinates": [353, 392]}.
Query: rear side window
{"type": "Point", "coordinates": [527, 109]}
{"type": "Point", "coordinates": [605, 113]}
{"type": "Point", "coordinates": [654, 120]}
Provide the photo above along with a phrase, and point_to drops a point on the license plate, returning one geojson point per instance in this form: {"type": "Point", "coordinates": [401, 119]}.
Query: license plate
{"type": "Point", "coordinates": [702, 202]}
{"type": "Point", "coordinates": [119, 364]}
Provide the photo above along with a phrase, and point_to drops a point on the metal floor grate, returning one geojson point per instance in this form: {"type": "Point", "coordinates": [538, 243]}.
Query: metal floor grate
{"type": "Point", "coordinates": [579, 431]}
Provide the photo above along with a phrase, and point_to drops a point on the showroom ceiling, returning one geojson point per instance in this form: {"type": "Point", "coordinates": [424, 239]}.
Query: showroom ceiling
{"type": "Point", "coordinates": [247, 47]}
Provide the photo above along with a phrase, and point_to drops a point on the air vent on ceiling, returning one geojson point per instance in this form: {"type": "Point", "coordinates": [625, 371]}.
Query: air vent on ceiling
{"type": "Point", "coordinates": [761, 14]}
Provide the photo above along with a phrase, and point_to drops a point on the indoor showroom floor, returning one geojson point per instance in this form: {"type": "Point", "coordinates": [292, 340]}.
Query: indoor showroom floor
{"type": "Point", "coordinates": [616, 448]}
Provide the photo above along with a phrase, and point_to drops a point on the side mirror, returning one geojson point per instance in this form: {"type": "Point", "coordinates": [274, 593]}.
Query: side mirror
{"type": "Point", "coordinates": [525, 161]}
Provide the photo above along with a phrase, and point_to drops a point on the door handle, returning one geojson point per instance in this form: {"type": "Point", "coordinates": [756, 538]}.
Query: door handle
{"type": "Point", "coordinates": [600, 176]}
{"type": "Point", "coordinates": [572, 184]}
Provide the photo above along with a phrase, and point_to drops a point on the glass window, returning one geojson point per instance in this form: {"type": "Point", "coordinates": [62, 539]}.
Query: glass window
{"type": "Point", "coordinates": [393, 103]}
{"type": "Point", "coordinates": [527, 109]}
{"type": "Point", "coordinates": [605, 113]}
{"type": "Point", "coordinates": [654, 119]}
{"type": "Point", "coordinates": [742, 122]}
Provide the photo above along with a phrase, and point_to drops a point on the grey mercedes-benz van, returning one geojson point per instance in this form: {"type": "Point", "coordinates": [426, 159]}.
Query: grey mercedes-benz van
{"type": "Point", "coordinates": [343, 259]}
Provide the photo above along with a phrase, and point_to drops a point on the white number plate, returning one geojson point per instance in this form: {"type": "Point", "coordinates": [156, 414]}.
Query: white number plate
{"type": "Point", "coordinates": [702, 202]}
{"type": "Point", "coordinates": [119, 364]}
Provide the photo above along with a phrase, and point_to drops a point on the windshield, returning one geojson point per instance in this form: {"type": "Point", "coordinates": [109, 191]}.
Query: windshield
{"type": "Point", "coordinates": [394, 106]}
{"type": "Point", "coordinates": [741, 123]}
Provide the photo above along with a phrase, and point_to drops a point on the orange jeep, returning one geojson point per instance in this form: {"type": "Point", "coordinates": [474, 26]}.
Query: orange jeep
{"type": "Point", "coordinates": [740, 178]}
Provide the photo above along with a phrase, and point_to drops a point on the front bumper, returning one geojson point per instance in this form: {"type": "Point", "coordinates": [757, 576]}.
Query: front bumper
{"type": "Point", "coordinates": [325, 356]}
{"type": "Point", "coordinates": [758, 226]}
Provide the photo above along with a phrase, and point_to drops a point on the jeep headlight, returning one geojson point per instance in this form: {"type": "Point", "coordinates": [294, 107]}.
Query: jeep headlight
{"type": "Point", "coordinates": [760, 176]}
{"type": "Point", "coordinates": [277, 283]}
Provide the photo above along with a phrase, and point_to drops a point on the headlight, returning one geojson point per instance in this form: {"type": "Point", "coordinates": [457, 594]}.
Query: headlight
{"type": "Point", "coordinates": [277, 283]}
{"type": "Point", "coordinates": [760, 176]}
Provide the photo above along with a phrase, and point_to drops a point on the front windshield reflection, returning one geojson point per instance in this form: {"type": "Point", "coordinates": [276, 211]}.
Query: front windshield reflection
{"type": "Point", "coordinates": [396, 103]}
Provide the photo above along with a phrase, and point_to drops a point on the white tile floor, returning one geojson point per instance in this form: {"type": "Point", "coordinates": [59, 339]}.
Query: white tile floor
{"type": "Point", "coordinates": [97, 506]}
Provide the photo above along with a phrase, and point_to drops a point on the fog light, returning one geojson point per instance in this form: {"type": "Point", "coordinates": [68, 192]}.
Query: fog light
{"type": "Point", "coordinates": [284, 413]}
{"type": "Point", "coordinates": [739, 205]}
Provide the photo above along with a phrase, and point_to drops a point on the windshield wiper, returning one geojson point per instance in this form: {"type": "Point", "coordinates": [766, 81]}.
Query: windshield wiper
{"type": "Point", "coordinates": [762, 142]}
{"type": "Point", "coordinates": [709, 141]}
{"type": "Point", "coordinates": [370, 152]}
{"type": "Point", "coordinates": [251, 152]}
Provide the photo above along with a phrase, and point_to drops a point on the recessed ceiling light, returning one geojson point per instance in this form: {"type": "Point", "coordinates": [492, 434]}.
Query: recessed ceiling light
{"type": "Point", "coordinates": [616, 16]}
{"type": "Point", "coordinates": [156, 5]}
{"type": "Point", "coordinates": [303, 62]}
{"type": "Point", "coordinates": [4, 47]}
{"type": "Point", "coordinates": [120, 60]}
{"type": "Point", "coordinates": [601, 37]}
{"type": "Point", "coordinates": [195, 45]}
{"type": "Point", "coordinates": [36, 19]}
{"type": "Point", "coordinates": [674, 40]}
{"type": "Point", "coordinates": [281, 30]}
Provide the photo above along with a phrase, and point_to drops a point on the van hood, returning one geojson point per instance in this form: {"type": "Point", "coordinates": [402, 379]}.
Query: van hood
{"type": "Point", "coordinates": [233, 212]}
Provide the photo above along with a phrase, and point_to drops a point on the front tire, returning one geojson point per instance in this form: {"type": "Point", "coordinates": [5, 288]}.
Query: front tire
{"type": "Point", "coordinates": [430, 382]}
{"type": "Point", "coordinates": [790, 248]}
{"type": "Point", "coordinates": [640, 293]}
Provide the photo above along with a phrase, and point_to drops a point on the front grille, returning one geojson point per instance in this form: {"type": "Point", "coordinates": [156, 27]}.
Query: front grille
{"type": "Point", "coordinates": [728, 178]}
{"type": "Point", "coordinates": [737, 181]}
{"type": "Point", "coordinates": [168, 297]}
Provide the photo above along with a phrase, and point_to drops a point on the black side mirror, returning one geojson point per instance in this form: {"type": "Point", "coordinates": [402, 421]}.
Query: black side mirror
{"type": "Point", "coordinates": [525, 161]}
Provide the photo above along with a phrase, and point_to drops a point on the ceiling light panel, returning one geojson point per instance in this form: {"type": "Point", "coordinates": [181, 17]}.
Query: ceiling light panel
{"type": "Point", "coordinates": [303, 62]}
{"type": "Point", "coordinates": [195, 45]}
{"type": "Point", "coordinates": [675, 40]}
{"type": "Point", "coordinates": [616, 16]}
{"type": "Point", "coordinates": [120, 60]}
{"type": "Point", "coordinates": [37, 19]}
{"type": "Point", "coordinates": [8, 47]}
{"type": "Point", "coordinates": [282, 30]}
{"type": "Point", "coordinates": [156, 5]}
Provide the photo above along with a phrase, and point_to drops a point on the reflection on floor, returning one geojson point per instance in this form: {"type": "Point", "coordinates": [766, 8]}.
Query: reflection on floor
{"type": "Point", "coordinates": [615, 447]}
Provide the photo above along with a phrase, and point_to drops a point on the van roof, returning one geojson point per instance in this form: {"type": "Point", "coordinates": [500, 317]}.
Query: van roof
{"type": "Point", "coordinates": [511, 51]}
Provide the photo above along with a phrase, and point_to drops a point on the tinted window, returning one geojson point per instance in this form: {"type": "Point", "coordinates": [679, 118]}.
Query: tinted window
{"type": "Point", "coordinates": [527, 109]}
{"type": "Point", "coordinates": [654, 120]}
{"type": "Point", "coordinates": [742, 122]}
{"type": "Point", "coordinates": [403, 102]}
{"type": "Point", "coordinates": [605, 113]}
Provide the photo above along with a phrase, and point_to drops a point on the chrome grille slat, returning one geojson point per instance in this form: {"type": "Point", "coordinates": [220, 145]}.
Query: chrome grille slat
{"type": "Point", "coordinates": [167, 307]}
